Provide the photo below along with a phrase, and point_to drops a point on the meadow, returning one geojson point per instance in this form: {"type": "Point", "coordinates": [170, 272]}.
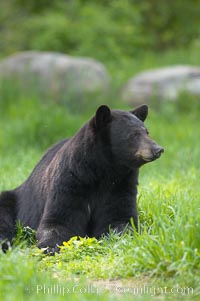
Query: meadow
{"type": "Point", "coordinates": [161, 262]}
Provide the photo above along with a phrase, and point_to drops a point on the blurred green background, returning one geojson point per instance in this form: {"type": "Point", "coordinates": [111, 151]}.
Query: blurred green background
{"type": "Point", "coordinates": [126, 35]}
{"type": "Point", "coordinates": [104, 29]}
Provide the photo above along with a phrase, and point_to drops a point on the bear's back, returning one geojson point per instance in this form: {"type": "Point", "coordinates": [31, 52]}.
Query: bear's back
{"type": "Point", "coordinates": [30, 202]}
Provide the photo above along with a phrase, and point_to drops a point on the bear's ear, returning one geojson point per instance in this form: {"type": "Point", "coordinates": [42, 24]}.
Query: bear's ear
{"type": "Point", "coordinates": [102, 117]}
{"type": "Point", "coordinates": [141, 112]}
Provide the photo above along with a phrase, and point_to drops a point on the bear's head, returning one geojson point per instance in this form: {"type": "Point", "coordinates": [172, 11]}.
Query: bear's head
{"type": "Point", "coordinates": [125, 134]}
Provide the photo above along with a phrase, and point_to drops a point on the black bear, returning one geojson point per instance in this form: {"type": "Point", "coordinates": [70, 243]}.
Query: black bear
{"type": "Point", "coordinates": [83, 185]}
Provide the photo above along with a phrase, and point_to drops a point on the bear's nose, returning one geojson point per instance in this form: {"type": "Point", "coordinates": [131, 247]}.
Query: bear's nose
{"type": "Point", "coordinates": [158, 151]}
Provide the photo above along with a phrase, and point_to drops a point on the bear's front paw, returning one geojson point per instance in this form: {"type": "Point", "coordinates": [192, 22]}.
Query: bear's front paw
{"type": "Point", "coordinates": [49, 250]}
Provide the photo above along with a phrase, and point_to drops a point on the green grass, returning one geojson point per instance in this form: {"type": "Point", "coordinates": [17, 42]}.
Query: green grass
{"type": "Point", "coordinates": [163, 260]}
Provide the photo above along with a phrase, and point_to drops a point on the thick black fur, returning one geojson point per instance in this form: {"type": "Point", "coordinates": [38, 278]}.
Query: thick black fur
{"type": "Point", "coordinates": [84, 185]}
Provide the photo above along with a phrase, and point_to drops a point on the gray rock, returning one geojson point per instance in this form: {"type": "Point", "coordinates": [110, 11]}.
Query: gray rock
{"type": "Point", "coordinates": [55, 73]}
{"type": "Point", "coordinates": [162, 83]}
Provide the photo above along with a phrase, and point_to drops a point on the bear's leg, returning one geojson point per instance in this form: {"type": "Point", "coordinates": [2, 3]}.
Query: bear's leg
{"type": "Point", "coordinates": [7, 218]}
{"type": "Point", "coordinates": [53, 231]}
{"type": "Point", "coordinates": [118, 227]}
{"type": "Point", "coordinates": [51, 236]}
{"type": "Point", "coordinates": [118, 213]}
